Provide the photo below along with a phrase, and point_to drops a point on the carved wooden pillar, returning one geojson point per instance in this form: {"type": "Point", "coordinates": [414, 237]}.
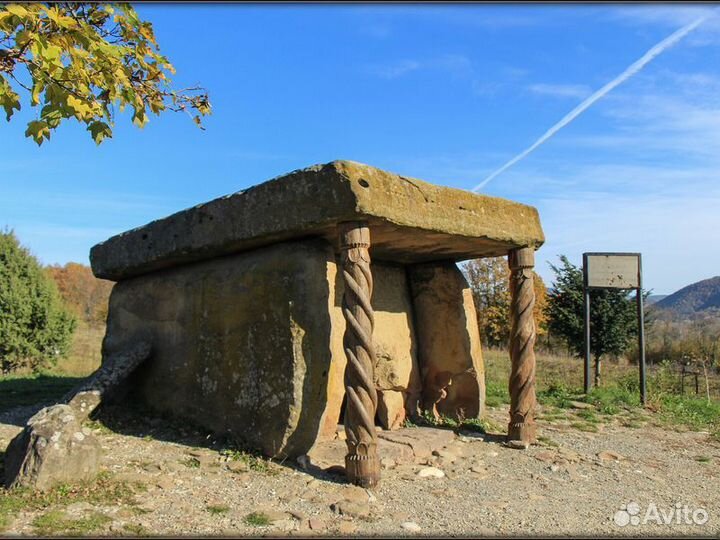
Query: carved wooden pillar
{"type": "Point", "coordinates": [361, 462]}
{"type": "Point", "coordinates": [521, 429]}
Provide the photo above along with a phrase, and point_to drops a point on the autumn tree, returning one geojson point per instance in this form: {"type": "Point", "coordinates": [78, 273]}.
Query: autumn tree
{"type": "Point", "coordinates": [35, 327]}
{"type": "Point", "coordinates": [489, 280]}
{"type": "Point", "coordinates": [86, 61]}
{"type": "Point", "coordinates": [86, 295]}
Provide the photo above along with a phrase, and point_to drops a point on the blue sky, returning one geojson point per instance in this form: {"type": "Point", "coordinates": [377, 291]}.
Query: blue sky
{"type": "Point", "coordinates": [443, 93]}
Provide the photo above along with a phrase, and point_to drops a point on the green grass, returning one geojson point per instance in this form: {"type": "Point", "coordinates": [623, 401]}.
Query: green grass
{"type": "Point", "coordinates": [191, 463]}
{"type": "Point", "coordinates": [100, 492]}
{"type": "Point", "coordinates": [97, 426]}
{"type": "Point", "coordinates": [254, 460]}
{"type": "Point", "coordinates": [55, 522]}
{"type": "Point", "coordinates": [559, 381]}
{"type": "Point", "coordinates": [217, 509]}
{"type": "Point", "coordinates": [547, 441]}
{"type": "Point", "coordinates": [496, 393]}
{"type": "Point", "coordinates": [257, 519]}
{"type": "Point", "coordinates": [584, 426]}
{"type": "Point", "coordinates": [136, 529]}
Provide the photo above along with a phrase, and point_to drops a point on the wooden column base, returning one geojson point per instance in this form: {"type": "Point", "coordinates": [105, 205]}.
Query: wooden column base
{"type": "Point", "coordinates": [522, 434]}
{"type": "Point", "coordinates": [362, 470]}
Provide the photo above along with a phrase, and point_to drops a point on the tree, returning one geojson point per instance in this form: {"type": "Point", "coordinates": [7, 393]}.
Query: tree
{"type": "Point", "coordinates": [35, 329]}
{"type": "Point", "coordinates": [82, 61]}
{"type": "Point", "coordinates": [86, 295]}
{"type": "Point", "coordinates": [613, 315]}
{"type": "Point", "coordinates": [489, 280]}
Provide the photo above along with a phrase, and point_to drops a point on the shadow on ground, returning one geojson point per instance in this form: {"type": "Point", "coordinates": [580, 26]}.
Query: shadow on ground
{"type": "Point", "coordinates": [135, 420]}
{"type": "Point", "coordinates": [21, 397]}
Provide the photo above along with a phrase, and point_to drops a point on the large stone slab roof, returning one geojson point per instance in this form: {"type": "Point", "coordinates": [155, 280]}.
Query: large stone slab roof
{"type": "Point", "coordinates": [411, 221]}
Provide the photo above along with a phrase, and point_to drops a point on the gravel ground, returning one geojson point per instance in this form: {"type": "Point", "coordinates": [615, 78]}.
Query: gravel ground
{"type": "Point", "coordinates": [573, 483]}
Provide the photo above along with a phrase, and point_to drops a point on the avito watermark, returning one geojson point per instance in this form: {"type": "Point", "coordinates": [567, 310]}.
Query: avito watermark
{"type": "Point", "coordinates": [679, 514]}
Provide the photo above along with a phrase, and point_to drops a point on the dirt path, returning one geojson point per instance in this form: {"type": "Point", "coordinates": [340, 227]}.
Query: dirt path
{"type": "Point", "coordinates": [574, 483]}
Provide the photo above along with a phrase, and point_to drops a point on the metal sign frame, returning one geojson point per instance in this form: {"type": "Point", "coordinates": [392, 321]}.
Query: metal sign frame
{"type": "Point", "coordinates": [640, 314]}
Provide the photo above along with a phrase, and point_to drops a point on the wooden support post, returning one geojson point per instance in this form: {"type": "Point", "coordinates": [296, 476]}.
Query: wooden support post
{"type": "Point", "coordinates": [361, 462]}
{"type": "Point", "coordinates": [521, 429]}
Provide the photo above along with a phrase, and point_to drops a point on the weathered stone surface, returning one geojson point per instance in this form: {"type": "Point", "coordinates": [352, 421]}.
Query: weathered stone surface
{"type": "Point", "coordinates": [421, 441]}
{"type": "Point", "coordinates": [449, 352]}
{"type": "Point", "coordinates": [396, 365]}
{"type": "Point", "coordinates": [411, 221]}
{"type": "Point", "coordinates": [241, 344]}
{"type": "Point", "coordinates": [51, 449]}
{"type": "Point", "coordinates": [391, 409]}
{"type": "Point", "coordinates": [108, 377]}
{"type": "Point", "coordinates": [328, 452]}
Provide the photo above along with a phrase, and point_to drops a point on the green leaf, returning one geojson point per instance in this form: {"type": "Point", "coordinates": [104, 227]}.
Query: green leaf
{"type": "Point", "coordinates": [38, 130]}
{"type": "Point", "coordinates": [51, 115]}
{"type": "Point", "coordinates": [99, 131]}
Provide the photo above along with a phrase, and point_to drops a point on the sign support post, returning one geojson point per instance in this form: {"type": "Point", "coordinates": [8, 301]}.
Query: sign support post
{"type": "Point", "coordinates": [586, 296]}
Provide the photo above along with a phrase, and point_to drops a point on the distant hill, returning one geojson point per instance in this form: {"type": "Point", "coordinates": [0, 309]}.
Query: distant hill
{"type": "Point", "coordinates": [654, 298]}
{"type": "Point", "coordinates": [703, 296]}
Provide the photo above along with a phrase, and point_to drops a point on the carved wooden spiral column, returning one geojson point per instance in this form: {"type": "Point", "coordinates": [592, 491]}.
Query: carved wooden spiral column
{"type": "Point", "coordinates": [521, 429]}
{"type": "Point", "coordinates": [361, 462]}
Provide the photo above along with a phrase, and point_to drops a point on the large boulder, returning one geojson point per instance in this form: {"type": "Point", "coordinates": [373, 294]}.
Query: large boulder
{"type": "Point", "coordinates": [242, 345]}
{"type": "Point", "coordinates": [52, 448]}
{"type": "Point", "coordinates": [448, 340]}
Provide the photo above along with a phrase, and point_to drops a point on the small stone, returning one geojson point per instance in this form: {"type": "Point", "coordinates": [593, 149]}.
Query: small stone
{"type": "Point", "coordinates": [165, 482]}
{"type": "Point", "coordinates": [433, 472]}
{"type": "Point", "coordinates": [347, 527]}
{"type": "Point", "coordinates": [477, 469]}
{"type": "Point", "coordinates": [546, 456]}
{"type": "Point", "coordinates": [237, 466]}
{"type": "Point", "coordinates": [554, 468]}
{"type": "Point", "coordinates": [518, 445]}
{"type": "Point", "coordinates": [298, 515]}
{"type": "Point", "coordinates": [581, 405]}
{"type": "Point", "coordinates": [411, 526]}
{"type": "Point", "coordinates": [471, 435]}
{"type": "Point", "coordinates": [274, 516]}
{"type": "Point", "coordinates": [608, 455]}
{"type": "Point", "coordinates": [388, 463]}
{"type": "Point", "coordinates": [152, 468]}
{"type": "Point", "coordinates": [354, 494]}
{"type": "Point", "coordinates": [316, 524]}
{"type": "Point", "coordinates": [351, 509]}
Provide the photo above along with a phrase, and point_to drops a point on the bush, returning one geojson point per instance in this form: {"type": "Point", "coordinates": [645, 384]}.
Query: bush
{"type": "Point", "coordinates": [35, 328]}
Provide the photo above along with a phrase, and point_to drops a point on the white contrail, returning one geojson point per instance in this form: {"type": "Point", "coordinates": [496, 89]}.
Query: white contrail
{"type": "Point", "coordinates": [577, 111]}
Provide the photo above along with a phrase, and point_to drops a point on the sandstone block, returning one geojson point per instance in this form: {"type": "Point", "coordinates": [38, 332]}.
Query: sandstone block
{"type": "Point", "coordinates": [449, 352]}
{"type": "Point", "coordinates": [411, 221]}
{"type": "Point", "coordinates": [241, 344]}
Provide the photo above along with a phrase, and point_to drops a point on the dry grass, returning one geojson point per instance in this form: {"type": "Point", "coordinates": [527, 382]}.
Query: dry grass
{"type": "Point", "coordinates": [84, 356]}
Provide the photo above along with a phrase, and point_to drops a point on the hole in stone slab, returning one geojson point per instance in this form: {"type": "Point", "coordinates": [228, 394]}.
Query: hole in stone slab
{"type": "Point", "coordinates": [364, 183]}
{"type": "Point", "coordinates": [144, 236]}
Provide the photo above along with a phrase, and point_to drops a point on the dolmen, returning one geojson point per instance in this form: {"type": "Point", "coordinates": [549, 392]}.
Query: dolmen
{"type": "Point", "coordinates": [269, 321]}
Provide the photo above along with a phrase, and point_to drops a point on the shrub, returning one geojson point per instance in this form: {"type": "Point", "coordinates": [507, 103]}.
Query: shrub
{"type": "Point", "coordinates": [35, 328]}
